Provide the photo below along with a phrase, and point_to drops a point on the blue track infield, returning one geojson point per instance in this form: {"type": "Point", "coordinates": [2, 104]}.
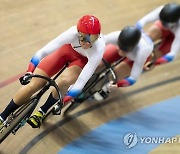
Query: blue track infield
{"type": "Point", "coordinates": [159, 121]}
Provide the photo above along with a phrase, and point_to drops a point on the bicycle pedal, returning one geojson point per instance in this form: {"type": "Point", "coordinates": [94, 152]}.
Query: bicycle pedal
{"type": "Point", "coordinates": [56, 111]}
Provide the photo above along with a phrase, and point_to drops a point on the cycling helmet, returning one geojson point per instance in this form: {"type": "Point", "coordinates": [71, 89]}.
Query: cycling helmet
{"type": "Point", "coordinates": [170, 13]}
{"type": "Point", "coordinates": [129, 38]}
{"type": "Point", "coordinates": [89, 24]}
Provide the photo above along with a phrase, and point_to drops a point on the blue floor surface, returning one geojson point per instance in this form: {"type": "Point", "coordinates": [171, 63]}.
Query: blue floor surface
{"type": "Point", "coordinates": [124, 135]}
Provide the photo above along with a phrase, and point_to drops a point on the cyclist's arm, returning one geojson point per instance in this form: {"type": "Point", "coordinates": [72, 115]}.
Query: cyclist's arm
{"type": "Point", "coordinates": [112, 37]}
{"type": "Point", "coordinates": [135, 73]}
{"type": "Point", "coordinates": [88, 70]}
{"type": "Point", "coordinates": [151, 17]}
{"type": "Point", "coordinates": [144, 52]}
{"type": "Point", "coordinates": [175, 48]}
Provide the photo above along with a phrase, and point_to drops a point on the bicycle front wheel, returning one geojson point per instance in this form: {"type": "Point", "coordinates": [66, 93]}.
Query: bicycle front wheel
{"type": "Point", "coordinates": [15, 119]}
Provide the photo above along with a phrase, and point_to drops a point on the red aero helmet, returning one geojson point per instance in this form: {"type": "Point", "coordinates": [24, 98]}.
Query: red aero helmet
{"type": "Point", "coordinates": [89, 24]}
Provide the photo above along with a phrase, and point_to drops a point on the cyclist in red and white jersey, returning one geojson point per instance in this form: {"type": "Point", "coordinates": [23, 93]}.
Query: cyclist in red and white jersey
{"type": "Point", "coordinates": [81, 46]}
{"type": "Point", "coordinates": [166, 28]}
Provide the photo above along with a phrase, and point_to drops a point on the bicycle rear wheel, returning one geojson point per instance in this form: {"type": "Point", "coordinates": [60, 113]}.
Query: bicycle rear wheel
{"type": "Point", "coordinates": [15, 119]}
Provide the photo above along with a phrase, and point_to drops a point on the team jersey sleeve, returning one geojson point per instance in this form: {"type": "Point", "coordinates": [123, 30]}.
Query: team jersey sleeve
{"type": "Point", "coordinates": [175, 47]}
{"type": "Point", "coordinates": [94, 58]}
{"type": "Point", "coordinates": [135, 72]}
{"type": "Point", "coordinates": [112, 38]}
{"type": "Point", "coordinates": [151, 17]}
{"type": "Point", "coordinates": [144, 52]}
{"type": "Point", "coordinates": [137, 68]}
{"type": "Point", "coordinates": [64, 38]}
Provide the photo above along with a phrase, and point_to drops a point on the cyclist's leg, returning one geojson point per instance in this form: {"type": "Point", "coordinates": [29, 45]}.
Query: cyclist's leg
{"type": "Point", "coordinates": [123, 69]}
{"type": "Point", "coordinates": [68, 76]}
{"type": "Point", "coordinates": [23, 94]}
{"type": "Point", "coordinates": [28, 90]}
{"type": "Point", "coordinates": [45, 68]}
{"type": "Point", "coordinates": [165, 46]}
{"type": "Point", "coordinates": [157, 33]}
{"type": "Point", "coordinates": [150, 62]}
{"type": "Point", "coordinates": [51, 64]}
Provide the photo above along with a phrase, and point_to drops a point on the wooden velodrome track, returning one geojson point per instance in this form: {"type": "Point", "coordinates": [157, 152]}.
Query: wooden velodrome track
{"type": "Point", "coordinates": [28, 25]}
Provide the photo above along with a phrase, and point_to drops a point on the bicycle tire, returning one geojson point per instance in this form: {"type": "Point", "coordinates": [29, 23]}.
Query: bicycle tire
{"type": "Point", "coordinates": [24, 111]}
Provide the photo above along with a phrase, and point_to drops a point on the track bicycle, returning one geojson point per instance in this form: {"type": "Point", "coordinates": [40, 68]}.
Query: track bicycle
{"type": "Point", "coordinates": [19, 118]}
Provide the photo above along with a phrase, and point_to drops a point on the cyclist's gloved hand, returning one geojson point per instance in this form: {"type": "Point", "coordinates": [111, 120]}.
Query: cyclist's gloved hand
{"type": "Point", "coordinates": [70, 95]}
{"type": "Point", "coordinates": [25, 79]}
{"type": "Point", "coordinates": [165, 59]}
{"type": "Point", "coordinates": [126, 82]}
{"type": "Point", "coordinates": [67, 99]}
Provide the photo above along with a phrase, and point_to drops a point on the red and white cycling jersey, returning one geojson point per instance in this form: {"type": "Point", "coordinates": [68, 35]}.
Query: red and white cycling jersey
{"type": "Point", "coordinates": [154, 16]}
{"type": "Point", "coordinates": [94, 54]}
{"type": "Point", "coordinates": [139, 55]}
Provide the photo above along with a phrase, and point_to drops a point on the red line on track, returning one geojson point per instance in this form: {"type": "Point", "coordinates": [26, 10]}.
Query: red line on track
{"type": "Point", "coordinates": [10, 80]}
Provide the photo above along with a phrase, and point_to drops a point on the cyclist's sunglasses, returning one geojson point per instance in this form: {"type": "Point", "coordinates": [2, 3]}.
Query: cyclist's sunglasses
{"type": "Point", "coordinates": [87, 38]}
